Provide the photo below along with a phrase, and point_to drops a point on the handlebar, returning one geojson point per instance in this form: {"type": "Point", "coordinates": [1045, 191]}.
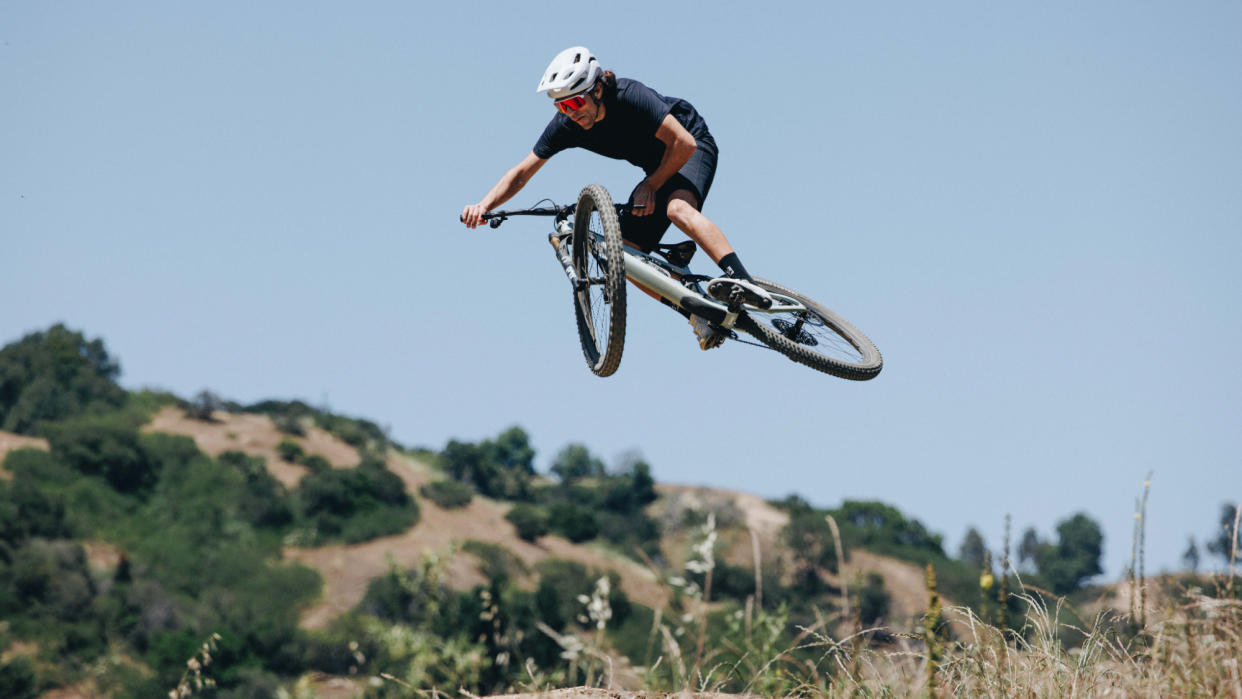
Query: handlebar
{"type": "Point", "coordinates": [495, 218]}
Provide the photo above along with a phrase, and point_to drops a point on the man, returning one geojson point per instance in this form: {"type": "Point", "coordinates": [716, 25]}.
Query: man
{"type": "Point", "coordinates": [665, 136]}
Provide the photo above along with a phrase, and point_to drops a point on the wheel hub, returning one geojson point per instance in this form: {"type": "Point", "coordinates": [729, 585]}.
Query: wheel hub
{"type": "Point", "coordinates": [795, 332]}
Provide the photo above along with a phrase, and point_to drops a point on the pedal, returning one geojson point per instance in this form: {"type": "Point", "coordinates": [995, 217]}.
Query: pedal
{"type": "Point", "coordinates": [735, 294]}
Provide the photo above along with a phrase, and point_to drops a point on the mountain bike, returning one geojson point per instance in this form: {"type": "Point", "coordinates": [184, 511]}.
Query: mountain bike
{"type": "Point", "coordinates": [588, 244]}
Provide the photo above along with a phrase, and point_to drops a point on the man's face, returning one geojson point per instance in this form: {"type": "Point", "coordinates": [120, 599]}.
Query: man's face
{"type": "Point", "coordinates": [588, 113]}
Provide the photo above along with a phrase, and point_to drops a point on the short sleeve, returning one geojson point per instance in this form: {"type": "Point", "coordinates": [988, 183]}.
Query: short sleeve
{"type": "Point", "coordinates": [645, 103]}
{"type": "Point", "coordinates": [554, 139]}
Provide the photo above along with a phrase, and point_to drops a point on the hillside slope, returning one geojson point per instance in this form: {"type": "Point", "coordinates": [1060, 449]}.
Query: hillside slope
{"type": "Point", "coordinates": [348, 569]}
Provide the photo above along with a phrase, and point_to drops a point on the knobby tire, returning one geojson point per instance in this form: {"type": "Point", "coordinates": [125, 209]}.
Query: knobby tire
{"type": "Point", "coordinates": [599, 307]}
{"type": "Point", "coordinates": [822, 340]}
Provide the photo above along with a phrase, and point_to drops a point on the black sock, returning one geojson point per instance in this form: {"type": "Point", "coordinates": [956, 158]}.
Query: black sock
{"type": "Point", "coordinates": [733, 267]}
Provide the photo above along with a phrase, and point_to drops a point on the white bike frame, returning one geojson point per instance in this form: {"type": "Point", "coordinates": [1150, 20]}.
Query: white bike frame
{"type": "Point", "coordinates": [666, 281]}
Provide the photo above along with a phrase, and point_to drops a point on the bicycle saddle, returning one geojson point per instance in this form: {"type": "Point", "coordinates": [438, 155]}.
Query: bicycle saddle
{"type": "Point", "coordinates": [678, 254]}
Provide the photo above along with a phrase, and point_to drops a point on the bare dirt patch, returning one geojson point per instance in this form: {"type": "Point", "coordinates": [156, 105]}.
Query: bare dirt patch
{"type": "Point", "coordinates": [102, 555]}
{"type": "Point", "coordinates": [255, 435]}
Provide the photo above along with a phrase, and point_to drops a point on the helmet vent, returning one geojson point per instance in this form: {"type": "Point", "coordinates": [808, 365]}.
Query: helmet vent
{"type": "Point", "coordinates": [577, 58]}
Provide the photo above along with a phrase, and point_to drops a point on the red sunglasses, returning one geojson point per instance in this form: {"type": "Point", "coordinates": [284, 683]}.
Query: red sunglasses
{"type": "Point", "coordinates": [571, 104]}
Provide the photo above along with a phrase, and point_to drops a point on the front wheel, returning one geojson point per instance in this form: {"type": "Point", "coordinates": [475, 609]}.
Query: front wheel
{"type": "Point", "coordinates": [599, 298]}
{"type": "Point", "coordinates": [806, 332]}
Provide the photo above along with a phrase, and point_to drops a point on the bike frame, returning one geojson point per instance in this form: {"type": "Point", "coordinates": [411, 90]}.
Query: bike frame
{"type": "Point", "coordinates": [677, 286]}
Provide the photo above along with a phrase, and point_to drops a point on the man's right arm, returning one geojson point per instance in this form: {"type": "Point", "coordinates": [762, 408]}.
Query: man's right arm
{"type": "Point", "coordinates": [511, 183]}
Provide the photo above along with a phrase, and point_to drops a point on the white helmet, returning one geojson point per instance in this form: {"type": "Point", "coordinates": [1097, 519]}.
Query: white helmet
{"type": "Point", "coordinates": [573, 70]}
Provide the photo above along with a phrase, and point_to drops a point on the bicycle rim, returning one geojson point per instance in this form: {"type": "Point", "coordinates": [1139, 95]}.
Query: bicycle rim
{"type": "Point", "coordinates": [810, 334]}
{"type": "Point", "coordinates": [599, 304]}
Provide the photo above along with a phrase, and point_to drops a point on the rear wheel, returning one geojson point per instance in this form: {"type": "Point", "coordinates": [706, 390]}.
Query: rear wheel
{"type": "Point", "coordinates": [810, 334]}
{"type": "Point", "coordinates": [599, 301]}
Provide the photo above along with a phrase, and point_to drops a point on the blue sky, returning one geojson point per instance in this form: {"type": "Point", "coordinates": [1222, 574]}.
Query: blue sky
{"type": "Point", "coordinates": [1033, 209]}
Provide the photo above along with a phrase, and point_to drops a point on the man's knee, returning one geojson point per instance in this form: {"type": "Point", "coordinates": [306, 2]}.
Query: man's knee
{"type": "Point", "coordinates": [683, 206]}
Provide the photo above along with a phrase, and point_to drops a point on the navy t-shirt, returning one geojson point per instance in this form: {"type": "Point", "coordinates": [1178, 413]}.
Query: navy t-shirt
{"type": "Point", "coordinates": [628, 129]}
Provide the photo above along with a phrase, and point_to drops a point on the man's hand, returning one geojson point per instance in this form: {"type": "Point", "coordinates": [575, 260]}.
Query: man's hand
{"type": "Point", "coordinates": [472, 215]}
{"type": "Point", "coordinates": [644, 196]}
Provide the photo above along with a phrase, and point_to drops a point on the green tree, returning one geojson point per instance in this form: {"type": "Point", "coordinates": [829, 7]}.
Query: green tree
{"type": "Point", "coordinates": [107, 447]}
{"type": "Point", "coordinates": [203, 405]}
{"type": "Point", "coordinates": [52, 375]}
{"type": "Point", "coordinates": [874, 600]}
{"type": "Point", "coordinates": [1222, 543]}
{"type": "Point", "coordinates": [884, 529]}
{"type": "Point", "coordinates": [512, 450]}
{"type": "Point", "coordinates": [809, 539]}
{"type": "Point", "coordinates": [500, 468]}
{"type": "Point", "coordinates": [290, 451]}
{"type": "Point", "coordinates": [1190, 557]}
{"type": "Point", "coordinates": [27, 511]}
{"type": "Point", "coordinates": [573, 522]}
{"type": "Point", "coordinates": [575, 462]}
{"type": "Point", "coordinates": [973, 549]}
{"type": "Point", "coordinates": [1075, 557]}
{"type": "Point", "coordinates": [264, 501]}
{"type": "Point", "coordinates": [1029, 546]}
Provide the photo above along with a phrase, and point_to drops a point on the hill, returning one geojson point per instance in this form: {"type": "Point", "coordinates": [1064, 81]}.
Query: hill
{"type": "Point", "coordinates": [348, 570]}
{"type": "Point", "coordinates": [150, 543]}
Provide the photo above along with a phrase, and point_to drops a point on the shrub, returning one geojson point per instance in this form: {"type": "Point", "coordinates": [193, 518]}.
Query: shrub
{"type": "Point", "coordinates": [264, 502]}
{"type": "Point", "coordinates": [50, 580]}
{"type": "Point", "coordinates": [447, 494]}
{"type": "Point", "coordinates": [573, 522]}
{"type": "Point", "coordinates": [27, 511]}
{"type": "Point", "coordinates": [736, 582]}
{"type": "Point", "coordinates": [500, 468]}
{"type": "Point", "coordinates": [17, 679]}
{"type": "Point", "coordinates": [290, 424]}
{"type": "Point", "coordinates": [561, 583]}
{"type": "Point", "coordinates": [316, 463]}
{"type": "Point", "coordinates": [105, 447]}
{"type": "Point", "coordinates": [290, 451]}
{"type": "Point", "coordinates": [203, 406]}
{"type": "Point", "coordinates": [873, 600]}
{"type": "Point", "coordinates": [531, 521]}
{"type": "Point", "coordinates": [356, 504]}
{"type": "Point", "coordinates": [53, 375]}
{"type": "Point", "coordinates": [497, 561]}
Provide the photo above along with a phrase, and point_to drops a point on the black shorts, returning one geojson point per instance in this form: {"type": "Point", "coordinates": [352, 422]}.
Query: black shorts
{"type": "Point", "coordinates": [696, 176]}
